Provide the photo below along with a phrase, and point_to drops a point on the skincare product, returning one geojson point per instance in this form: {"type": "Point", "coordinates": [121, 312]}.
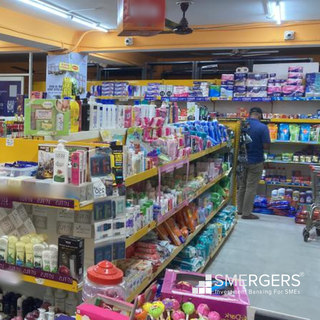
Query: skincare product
{"type": "Point", "coordinates": [20, 253]}
{"type": "Point", "coordinates": [29, 255]}
{"type": "Point", "coordinates": [61, 161]}
{"type": "Point", "coordinates": [54, 261]}
{"type": "Point", "coordinates": [3, 249]}
{"type": "Point", "coordinates": [46, 260]}
{"type": "Point", "coordinates": [71, 304]}
{"type": "Point", "coordinates": [37, 255]}
{"type": "Point", "coordinates": [59, 300]}
{"type": "Point", "coordinates": [12, 241]}
{"type": "Point", "coordinates": [48, 296]}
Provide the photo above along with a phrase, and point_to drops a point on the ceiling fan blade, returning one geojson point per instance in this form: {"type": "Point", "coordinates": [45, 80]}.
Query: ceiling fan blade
{"type": "Point", "coordinates": [171, 24]}
{"type": "Point", "coordinates": [221, 54]}
{"type": "Point", "coordinates": [166, 32]}
{"type": "Point", "coordinates": [267, 51]}
{"type": "Point", "coordinates": [255, 55]}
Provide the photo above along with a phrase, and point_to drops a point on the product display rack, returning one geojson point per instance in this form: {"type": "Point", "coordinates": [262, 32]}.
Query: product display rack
{"type": "Point", "coordinates": [163, 266]}
{"type": "Point", "coordinates": [217, 249]}
{"type": "Point", "coordinates": [286, 185]}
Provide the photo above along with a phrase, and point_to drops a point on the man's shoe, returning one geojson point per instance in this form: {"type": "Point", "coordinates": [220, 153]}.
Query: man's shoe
{"type": "Point", "coordinates": [250, 217]}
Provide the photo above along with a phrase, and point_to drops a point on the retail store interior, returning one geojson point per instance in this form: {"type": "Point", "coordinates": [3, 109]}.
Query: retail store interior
{"type": "Point", "coordinates": [159, 160]}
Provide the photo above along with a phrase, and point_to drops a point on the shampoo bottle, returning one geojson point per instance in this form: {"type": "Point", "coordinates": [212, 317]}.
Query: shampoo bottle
{"type": "Point", "coordinates": [12, 241]}
{"type": "Point", "coordinates": [61, 162]}
{"type": "Point", "coordinates": [46, 260]}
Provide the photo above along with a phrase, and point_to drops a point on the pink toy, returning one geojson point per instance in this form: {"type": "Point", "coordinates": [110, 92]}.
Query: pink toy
{"type": "Point", "coordinates": [203, 310]}
{"type": "Point", "coordinates": [178, 315]}
{"type": "Point", "coordinates": [214, 316]}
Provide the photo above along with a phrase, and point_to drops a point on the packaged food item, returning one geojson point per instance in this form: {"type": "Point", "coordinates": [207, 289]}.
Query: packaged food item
{"type": "Point", "coordinates": [305, 132]}
{"type": "Point", "coordinates": [314, 133]}
{"type": "Point", "coordinates": [294, 132]}
{"type": "Point", "coordinates": [273, 129]}
{"type": "Point", "coordinates": [284, 133]}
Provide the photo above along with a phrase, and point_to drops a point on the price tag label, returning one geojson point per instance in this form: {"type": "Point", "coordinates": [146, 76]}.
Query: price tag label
{"type": "Point", "coordinates": [40, 281]}
{"type": "Point", "coordinates": [10, 142]}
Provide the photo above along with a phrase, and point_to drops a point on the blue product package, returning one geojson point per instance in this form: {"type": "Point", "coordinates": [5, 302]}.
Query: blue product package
{"type": "Point", "coordinates": [305, 130]}
{"type": "Point", "coordinates": [284, 133]}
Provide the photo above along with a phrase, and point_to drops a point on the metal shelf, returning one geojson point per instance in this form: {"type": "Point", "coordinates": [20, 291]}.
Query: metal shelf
{"type": "Point", "coordinates": [147, 281]}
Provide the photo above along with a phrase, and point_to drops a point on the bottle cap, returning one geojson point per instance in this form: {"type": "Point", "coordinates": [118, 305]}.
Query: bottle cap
{"type": "Point", "coordinates": [105, 273]}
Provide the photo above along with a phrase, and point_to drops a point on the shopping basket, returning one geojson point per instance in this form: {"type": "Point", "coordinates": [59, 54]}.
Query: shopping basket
{"type": "Point", "coordinates": [312, 221]}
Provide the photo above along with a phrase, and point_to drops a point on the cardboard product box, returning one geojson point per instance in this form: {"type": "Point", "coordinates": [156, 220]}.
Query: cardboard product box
{"type": "Point", "coordinates": [230, 306]}
{"type": "Point", "coordinates": [71, 256]}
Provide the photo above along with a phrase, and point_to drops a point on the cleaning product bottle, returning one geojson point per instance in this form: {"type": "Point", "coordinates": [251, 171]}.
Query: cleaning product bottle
{"type": "Point", "coordinates": [74, 116]}
{"type": "Point", "coordinates": [59, 299]}
{"type": "Point", "coordinates": [71, 304]}
{"type": "Point", "coordinates": [12, 241]}
{"type": "Point", "coordinates": [48, 296]}
{"type": "Point", "coordinates": [61, 163]}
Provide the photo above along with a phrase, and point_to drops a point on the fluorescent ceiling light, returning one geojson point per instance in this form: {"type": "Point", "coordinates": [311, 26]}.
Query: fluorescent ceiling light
{"type": "Point", "coordinates": [46, 7]}
{"type": "Point", "coordinates": [277, 13]}
{"type": "Point", "coordinates": [89, 24]}
{"type": "Point", "coordinates": [65, 14]}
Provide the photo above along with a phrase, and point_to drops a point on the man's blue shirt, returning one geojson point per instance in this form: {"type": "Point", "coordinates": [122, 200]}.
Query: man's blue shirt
{"type": "Point", "coordinates": [260, 135]}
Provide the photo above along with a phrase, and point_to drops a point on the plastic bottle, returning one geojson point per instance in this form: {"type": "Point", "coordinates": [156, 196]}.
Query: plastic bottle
{"type": "Point", "coordinates": [1, 301]}
{"type": "Point", "coordinates": [74, 116]}
{"type": "Point", "coordinates": [51, 315]}
{"type": "Point", "coordinates": [37, 255]}
{"type": "Point", "coordinates": [93, 114]}
{"type": "Point", "coordinates": [20, 253]}
{"type": "Point", "coordinates": [85, 116]}
{"type": "Point", "coordinates": [19, 305]}
{"type": "Point", "coordinates": [80, 112]}
{"type": "Point", "coordinates": [12, 240]}
{"type": "Point", "coordinates": [59, 300]}
{"type": "Point", "coordinates": [42, 315]}
{"type": "Point", "coordinates": [61, 162]}
{"type": "Point", "coordinates": [48, 296]}
{"type": "Point", "coordinates": [4, 249]}
{"type": "Point", "coordinates": [71, 304]}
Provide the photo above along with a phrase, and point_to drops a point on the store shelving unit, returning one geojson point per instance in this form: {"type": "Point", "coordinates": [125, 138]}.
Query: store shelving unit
{"type": "Point", "coordinates": [144, 231]}
{"type": "Point", "coordinates": [284, 185]}
{"type": "Point", "coordinates": [43, 278]}
{"type": "Point", "coordinates": [147, 281]}
{"type": "Point", "coordinates": [217, 249]}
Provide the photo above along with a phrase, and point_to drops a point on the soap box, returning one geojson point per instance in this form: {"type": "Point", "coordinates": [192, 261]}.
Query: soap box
{"type": "Point", "coordinates": [230, 306]}
{"type": "Point", "coordinates": [71, 256]}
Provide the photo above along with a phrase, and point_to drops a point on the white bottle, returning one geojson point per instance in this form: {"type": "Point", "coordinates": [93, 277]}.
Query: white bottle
{"type": "Point", "coordinates": [4, 249]}
{"type": "Point", "coordinates": [37, 255]}
{"type": "Point", "coordinates": [42, 315]}
{"type": "Point", "coordinates": [59, 122]}
{"type": "Point", "coordinates": [19, 305]}
{"type": "Point", "coordinates": [60, 299]}
{"type": "Point", "coordinates": [93, 114]}
{"type": "Point", "coordinates": [48, 296]}
{"type": "Point", "coordinates": [114, 114]}
{"type": "Point", "coordinates": [71, 304]}
{"type": "Point", "coordinates": [100, 114]}
{"type": "Point", "coordinates": [61, 163]}
{"type": "Point", "coordinates": [51, 315]}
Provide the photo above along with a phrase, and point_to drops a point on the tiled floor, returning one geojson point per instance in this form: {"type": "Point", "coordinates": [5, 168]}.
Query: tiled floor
{"type": "Point", "coordinates": [274, 245]}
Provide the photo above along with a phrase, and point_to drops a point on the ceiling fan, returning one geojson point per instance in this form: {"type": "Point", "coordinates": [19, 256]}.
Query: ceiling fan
{"type": "Point", "coordinates": [181, 28]}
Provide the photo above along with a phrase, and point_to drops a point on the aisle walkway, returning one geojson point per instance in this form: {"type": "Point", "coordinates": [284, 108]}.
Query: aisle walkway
{"type": "Point", "coordinates": [274, 245]}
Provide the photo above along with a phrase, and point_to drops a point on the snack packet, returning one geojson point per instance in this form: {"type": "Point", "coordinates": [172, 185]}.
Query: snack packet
{"type": "Point", "coordinates": [273, 129]}
{"type": "Point", "coordinates": [305, 130]}
{"type": "Point", "coordinates": [294, 132]}
{"type": "Point", "coordinates": [284, 133]}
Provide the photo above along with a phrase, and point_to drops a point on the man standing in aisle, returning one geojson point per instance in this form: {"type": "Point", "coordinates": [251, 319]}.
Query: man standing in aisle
{"type": "Point", "coordinates": [252, 170]}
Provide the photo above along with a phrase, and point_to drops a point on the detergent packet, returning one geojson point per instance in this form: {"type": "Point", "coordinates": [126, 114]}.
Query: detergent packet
{"type": "Point", "coordinates": [314, 133]}
{"type": "Point", "coordinates": [294, 132]}
{"type": "Point", "coordinates": [273, 129]}
{"type": "Point", "coordinates": [284, 133]}
{"type": "Point", "coordinates": [305, 130]}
